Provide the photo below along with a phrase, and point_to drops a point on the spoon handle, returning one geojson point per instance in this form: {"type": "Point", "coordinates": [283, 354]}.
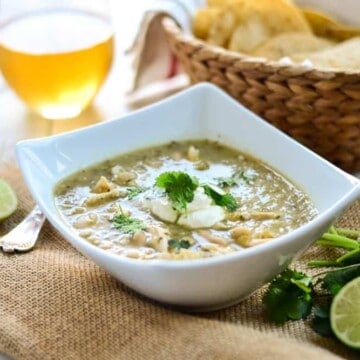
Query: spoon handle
{"type": "Point", "coordinates": [23, 237]}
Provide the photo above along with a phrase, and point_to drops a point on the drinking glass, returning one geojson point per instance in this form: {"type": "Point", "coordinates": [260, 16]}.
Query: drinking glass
{"type": "Point", "coordinates": [55, 54]}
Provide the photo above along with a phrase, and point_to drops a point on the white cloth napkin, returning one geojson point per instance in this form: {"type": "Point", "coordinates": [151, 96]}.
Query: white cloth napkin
{"type": "Point", "coordinates": [156, 71]}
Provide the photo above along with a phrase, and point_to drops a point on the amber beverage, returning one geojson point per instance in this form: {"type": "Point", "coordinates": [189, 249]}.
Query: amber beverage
{"type": "Point", "coordinates": [56, 60]}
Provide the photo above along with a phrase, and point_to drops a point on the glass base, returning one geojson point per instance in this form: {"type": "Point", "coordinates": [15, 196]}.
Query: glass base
{"type": "Point", "coordinates": [59, 112]}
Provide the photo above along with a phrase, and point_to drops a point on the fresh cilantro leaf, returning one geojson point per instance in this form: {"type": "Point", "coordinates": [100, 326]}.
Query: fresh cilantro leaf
{"type": "Point", "coordinates": [226, 182]}
{"type": "Point", "coordinates": [178, 244]}
{"type": "Point", "coordinates": [321, 321]}
{"type": "Point", "coordinates": [334, 280]}
{"type": "Point", "coordinates": [302, 282]}
{"type": "Point", "coordinates": [226, 200]}
{"type": "Point", "coordinates": [179, 186]}
{"type": "Point", "coordinates": [350, 258]}
{"type": "Point", "coordinates": [235, 179]}
{"type": "Point", "coordinates": [135, 191]}
{"type": "Point", "coordinates": [127, 224]}
{"type": "Point", "coordinates": [288, 297]}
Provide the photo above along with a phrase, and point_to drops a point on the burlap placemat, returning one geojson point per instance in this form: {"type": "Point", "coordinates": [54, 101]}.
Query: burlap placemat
{"type": "Point", "coordinates": [56, 304]}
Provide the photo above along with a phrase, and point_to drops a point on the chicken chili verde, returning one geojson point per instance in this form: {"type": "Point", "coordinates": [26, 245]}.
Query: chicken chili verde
{"type": "Point", "coordinates": [181, 201]}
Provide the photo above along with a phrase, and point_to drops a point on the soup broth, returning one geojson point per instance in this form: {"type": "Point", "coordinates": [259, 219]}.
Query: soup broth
{"type": "Point", "coordinates": [183, 200]}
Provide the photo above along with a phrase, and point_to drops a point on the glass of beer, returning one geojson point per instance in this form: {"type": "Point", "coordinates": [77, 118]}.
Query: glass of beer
{"type": "Point", "coordinates": [55, 54]}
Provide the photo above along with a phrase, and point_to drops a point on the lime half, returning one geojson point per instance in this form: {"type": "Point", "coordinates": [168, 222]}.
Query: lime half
{"type": "Point", "coordinates": [8, 200]}
{"type": "Point", "coordinates": [345, 314]}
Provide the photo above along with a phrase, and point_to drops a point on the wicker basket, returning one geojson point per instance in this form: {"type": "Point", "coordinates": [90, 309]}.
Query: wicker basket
{"type": "Point", "coordinates": [321, 109]}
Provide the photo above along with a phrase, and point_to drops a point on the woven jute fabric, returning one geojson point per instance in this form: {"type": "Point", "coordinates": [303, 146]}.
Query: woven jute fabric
{"type": "Point", "coordinates": [320, 109]}
{"type": "Point", "coordinates": [56, 304]}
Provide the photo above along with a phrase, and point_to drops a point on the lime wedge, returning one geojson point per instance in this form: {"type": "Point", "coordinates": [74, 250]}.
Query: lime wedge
{"type": "Point", "coordinates": [345, 314]}
{"type": "Point", "coordinates": [8, 200]}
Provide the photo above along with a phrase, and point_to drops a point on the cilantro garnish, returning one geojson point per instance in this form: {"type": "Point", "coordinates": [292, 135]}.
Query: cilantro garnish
{"type": "Point", "coordinates": [334, 280]}
{"type": "Point", "coordinates": [179, 186]}
{"type": "Point", "coordinates": [178, 244]}
{"type": "Point", "coordinates": [289, 296]}
{"type": "Point", "coordinates": [226, 181]}
{"type": "Point", "coordinates": [135, 191]}
{"type": "Point", "coordinates": [127, 224]}
{"type": "Point", "coordinates": [235, 179]}
{"type": "Point", "coordinates": [226, 199]}
{"type": "Point", "coordinates": [321, 321]}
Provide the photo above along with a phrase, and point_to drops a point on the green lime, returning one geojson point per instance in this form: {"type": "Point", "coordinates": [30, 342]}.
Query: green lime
{"type": "Point", "coordinates": [8, 200]}
{"type": "Point", "coordinates": [345, 314]}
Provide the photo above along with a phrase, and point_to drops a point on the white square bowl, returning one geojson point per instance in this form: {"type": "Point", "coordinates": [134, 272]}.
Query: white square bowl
{"type": "Point", "coordinates": [201, 112]}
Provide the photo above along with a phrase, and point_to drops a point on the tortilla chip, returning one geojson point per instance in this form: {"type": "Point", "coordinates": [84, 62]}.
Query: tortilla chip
{"type": "Point", "coordinates": [202, 21]}
{"type": "Point", "coordinates": [327, 27]}
{"type": "Point", "coordinates": [264, 18]}
{"type": "Point", "coordinates": [219, 3]}
{"type": "Point", "coordinates": [248, 35]}
{"type": "Point", "coordinates": [222, 28]}
{"type": "Point", "coordinates": [344, 56]}
{"type": "Point", "coordinates": [290, 43]}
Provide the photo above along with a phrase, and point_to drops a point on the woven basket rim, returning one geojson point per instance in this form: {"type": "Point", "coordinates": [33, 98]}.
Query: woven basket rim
{"type": "Point", "coordinates": [171, 26]}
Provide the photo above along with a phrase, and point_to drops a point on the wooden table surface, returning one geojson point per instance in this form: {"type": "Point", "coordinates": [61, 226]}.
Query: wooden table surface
{"type": "Point", "coordinates": [17, 122]}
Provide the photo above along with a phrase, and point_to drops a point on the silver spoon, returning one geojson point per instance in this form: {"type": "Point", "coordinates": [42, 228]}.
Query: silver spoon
{"type": "Point", "coordinates": [23, 237]}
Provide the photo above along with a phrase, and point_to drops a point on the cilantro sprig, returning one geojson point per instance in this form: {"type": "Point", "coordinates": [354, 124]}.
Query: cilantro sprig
{"type": "Point", "coordinates": [236, 178]}
{"type": "Point", "coordinates": [321, 320]}
{"type": "Point", "coordinates": [179, 186]}
{"type": "Point", "coordinates": [135, 191]}
{"type": "Point", "coordinates": [222, 199]}
{"type": "Point", "coordinates": [292, 295]}
{"type": "Point", "coordinates": [127, 224]}
{"type": "Point", "coordinates": [289, 296]}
